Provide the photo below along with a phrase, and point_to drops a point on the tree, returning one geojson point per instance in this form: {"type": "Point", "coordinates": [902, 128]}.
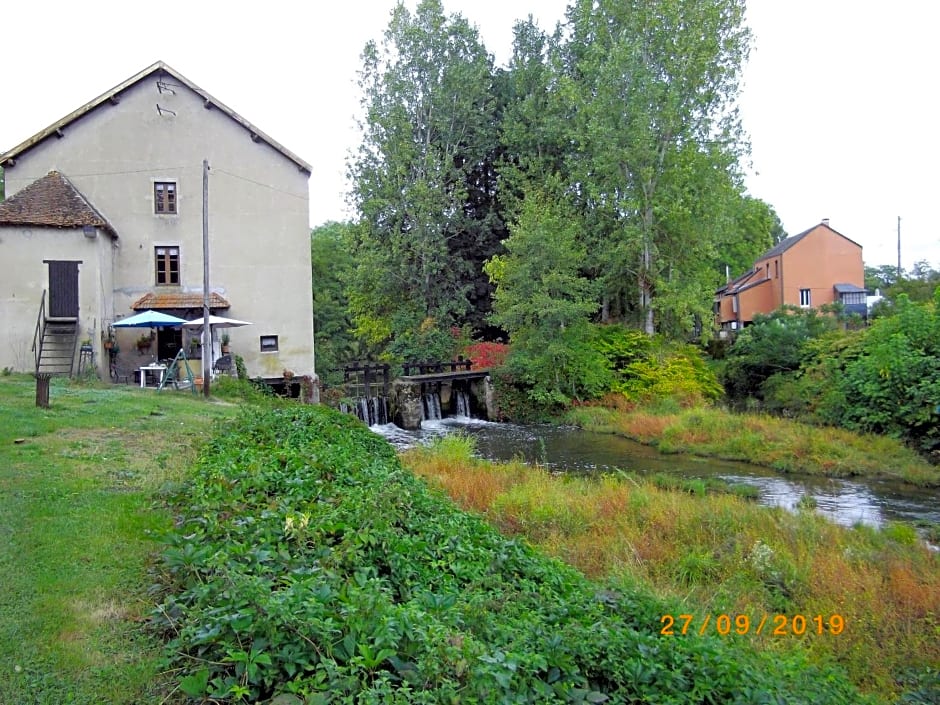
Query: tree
{"type": "Point", "coordinates": [652, 84]}
{"type": "Point", "coordinates": [881, 276]}
{"type": "Point", "coordinates": [423, 176]}
{"type": "Point", "coordinates": [545, 303]}
{"type": "Point", "coordinates": [332, 265]}
{"type": "Point", "coordinates": [774, 344]}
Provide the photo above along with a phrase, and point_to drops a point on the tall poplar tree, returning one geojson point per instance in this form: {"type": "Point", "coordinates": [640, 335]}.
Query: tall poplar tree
{"type": "Point", "coordinates": [422, 177]}
{"type": "Point", "coordinates": [652, 84]}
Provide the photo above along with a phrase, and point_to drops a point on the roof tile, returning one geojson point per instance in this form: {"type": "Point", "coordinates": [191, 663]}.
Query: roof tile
{"type": "Point", "coordinates": [177, 300]}
{"type": "Point", "coordinates": [52, 201]}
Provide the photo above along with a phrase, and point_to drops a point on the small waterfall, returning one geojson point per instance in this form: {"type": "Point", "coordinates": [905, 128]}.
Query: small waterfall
{"type": "Point", "coordinates": [362, 410]}
{"type": "Point", "coordinates": [463, 402]}
{"type": "Point", "coordinates": [372, 411]}
{"type": "Point", "coordinates": [431, 406]}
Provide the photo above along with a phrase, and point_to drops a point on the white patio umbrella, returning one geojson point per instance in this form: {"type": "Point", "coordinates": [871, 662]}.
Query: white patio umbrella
{"type": "Point", "coordinates": [216, 322]}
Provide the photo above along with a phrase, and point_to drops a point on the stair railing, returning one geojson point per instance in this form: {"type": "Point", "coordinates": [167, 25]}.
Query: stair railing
{"type": "Point", "coordinates": [40, 330]}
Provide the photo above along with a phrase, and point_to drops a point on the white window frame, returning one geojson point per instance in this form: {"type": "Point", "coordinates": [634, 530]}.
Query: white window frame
{"type": "Point", "coordinates": [806, 298]}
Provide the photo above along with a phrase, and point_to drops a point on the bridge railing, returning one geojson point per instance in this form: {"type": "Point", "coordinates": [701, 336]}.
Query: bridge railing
{"type": "Point", "coordinates": [424, 367]}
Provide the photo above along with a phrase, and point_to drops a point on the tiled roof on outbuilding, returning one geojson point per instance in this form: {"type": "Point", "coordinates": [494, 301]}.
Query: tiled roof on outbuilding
{"type": "Point", "coordinates": [52, 201]}
{"type": "Point", "coordinates": [177, 300]}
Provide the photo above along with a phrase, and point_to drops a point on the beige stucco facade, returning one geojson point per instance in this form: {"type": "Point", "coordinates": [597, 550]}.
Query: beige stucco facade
{"type": "Point", "coordinates": [23, 251]}
{"type": "Point", "coordinates": [160, 128]}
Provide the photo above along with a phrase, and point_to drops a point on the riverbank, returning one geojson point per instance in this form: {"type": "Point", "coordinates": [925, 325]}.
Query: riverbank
{"type": "Point", "coordinates": [309, 566]}
{"type": "Point", "coordinates": [781, 444]}
{"type": "Point", "coordinates": [719, 554]}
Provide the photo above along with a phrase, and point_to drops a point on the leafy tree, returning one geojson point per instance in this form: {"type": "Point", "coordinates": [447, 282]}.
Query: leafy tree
{"type": "Point", "coordinates": [881, 276]}
{"type": "Point", "coordinates": [771, 345]}
{"type": "Point", "coordinates": [423, 176]}
{"type": "Point", "coordinates": [919, 285]}
{"type": "Point", "coordinates": [545, 303]}
{"type": "Point", "coordinates": [332, 265]}
{"type": "Point", "coordinates": [652, 86]}
{"type": "Point", "coordinates": [756, 228]}
{"type": "Point", "coordinates": [892, 383]}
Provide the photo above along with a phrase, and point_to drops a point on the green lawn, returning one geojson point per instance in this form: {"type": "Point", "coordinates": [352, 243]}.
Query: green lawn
{"type": "Point", "coordinates": [77, 488]}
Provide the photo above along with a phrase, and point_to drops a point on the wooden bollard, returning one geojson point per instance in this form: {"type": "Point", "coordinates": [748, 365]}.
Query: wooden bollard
{"type": "Point", "coordinates": [42, 389]}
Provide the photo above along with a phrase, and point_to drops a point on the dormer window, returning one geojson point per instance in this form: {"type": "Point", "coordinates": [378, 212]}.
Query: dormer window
{"type": "Point", "coordinates": [164, 197]}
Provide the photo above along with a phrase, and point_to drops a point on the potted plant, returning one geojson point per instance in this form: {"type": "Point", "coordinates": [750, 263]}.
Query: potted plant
{"type": "Point", "coordinates": [144, 342]}
{"type": "Point", "coordinates": [225, 341]}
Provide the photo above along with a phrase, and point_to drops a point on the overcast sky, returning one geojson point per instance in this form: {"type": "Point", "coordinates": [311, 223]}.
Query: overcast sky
{"type": "Point", "coordinates": [839, 96]}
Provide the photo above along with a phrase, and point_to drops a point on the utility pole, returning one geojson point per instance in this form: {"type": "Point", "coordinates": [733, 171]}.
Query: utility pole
{"type": "Point", "coordinates": [206, 328]}
{"type": "Point", "coordinates": [899, 248]}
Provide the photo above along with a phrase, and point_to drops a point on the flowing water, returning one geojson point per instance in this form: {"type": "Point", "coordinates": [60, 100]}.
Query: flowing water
{"type": "Point", "coordinates": [568, 449]}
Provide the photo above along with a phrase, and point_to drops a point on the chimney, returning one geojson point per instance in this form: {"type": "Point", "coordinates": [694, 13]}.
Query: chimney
{"type": "Point", "coordinates": [825, 221]}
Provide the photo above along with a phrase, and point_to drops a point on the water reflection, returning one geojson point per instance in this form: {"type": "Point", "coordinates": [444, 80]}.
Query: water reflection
{"type": "Point", "coordinates": [569, 449]}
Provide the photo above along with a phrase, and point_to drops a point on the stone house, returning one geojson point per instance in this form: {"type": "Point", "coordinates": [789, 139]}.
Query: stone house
{"type": "Point", "coordinates": [104, 218]}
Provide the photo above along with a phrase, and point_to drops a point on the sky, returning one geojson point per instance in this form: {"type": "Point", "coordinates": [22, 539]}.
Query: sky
{"type": "Point", "coordinates": [838, 98]}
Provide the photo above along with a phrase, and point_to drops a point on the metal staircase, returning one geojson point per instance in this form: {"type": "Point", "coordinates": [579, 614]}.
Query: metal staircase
{"type": "Point", "coordinates": [54, 343]}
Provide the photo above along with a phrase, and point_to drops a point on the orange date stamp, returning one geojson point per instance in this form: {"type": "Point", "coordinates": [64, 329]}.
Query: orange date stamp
{"type": "Point", "coordinates": [772, 624]}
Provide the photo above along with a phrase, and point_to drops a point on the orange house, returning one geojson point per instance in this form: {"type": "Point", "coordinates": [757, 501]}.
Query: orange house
{"type": "Point", "coordinates": [818, 266]}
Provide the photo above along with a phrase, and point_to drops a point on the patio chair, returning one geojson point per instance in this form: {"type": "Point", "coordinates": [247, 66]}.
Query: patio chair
{"type": "Point", "coordinates": [124, 374]}
{"type": "Point", "coordinates": [223, 365]}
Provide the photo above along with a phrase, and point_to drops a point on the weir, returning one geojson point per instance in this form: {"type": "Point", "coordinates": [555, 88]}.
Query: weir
{"type": "Point", "coordinates": [435, 395]}
{"type": "Point", "coordinates": [440, 389]}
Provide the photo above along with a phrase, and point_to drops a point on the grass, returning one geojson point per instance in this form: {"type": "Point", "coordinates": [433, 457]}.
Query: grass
{"type": "Point", "coordinates": [782, 444]}
{"type": "Point", "coordinates": [719, 554]}
{"type": "Point", "coordinates": [77, 527]}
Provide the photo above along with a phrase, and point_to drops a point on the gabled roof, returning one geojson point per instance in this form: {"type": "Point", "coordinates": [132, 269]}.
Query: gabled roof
{"type": "Point", "coordinates": [789, 242]}
{"type": "Point", "coordinates": [52, 201]}
{"type": "Point", "coordinates": [741, 282]}
{"type": "Point", "coordinates": [113, 96]}
{"type": "Point", "coordinates": [177, 300]}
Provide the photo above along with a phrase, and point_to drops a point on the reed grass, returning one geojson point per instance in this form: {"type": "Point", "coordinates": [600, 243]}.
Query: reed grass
{"type": "Point", "coordinates": [719, 554]}
{"type": "Point", "coordinates": [781, 444]}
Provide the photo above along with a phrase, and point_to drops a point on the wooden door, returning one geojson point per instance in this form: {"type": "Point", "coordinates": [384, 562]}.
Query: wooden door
{"type": "Point", "coordinates": [63, 289]}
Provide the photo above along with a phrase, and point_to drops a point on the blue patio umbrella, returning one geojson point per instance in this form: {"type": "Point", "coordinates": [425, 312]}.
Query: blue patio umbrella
{"type": "Point", "coordinates": [149, 319]}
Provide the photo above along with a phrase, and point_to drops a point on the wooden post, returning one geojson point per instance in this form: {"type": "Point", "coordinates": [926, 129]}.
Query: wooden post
{"type": "Point", "coordinates": [42, 389]}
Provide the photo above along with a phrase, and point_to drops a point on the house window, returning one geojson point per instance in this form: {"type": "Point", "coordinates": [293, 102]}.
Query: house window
{"type": "Point", "coordinates": [776, 269]}
{"type": "Point", "coordinates": [805, 300]}
{"type": "Point", "coordinates": [853, 297]}
{"type": "Point", "coordinates": [268, 343]}
{"type": "Point", "coordinates": [167, 265]}
{"type": "Point", "coordinates": [164, 197]}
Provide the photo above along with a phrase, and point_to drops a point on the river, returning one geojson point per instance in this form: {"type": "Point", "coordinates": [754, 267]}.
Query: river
{"type": "Point", "coordinates": [569, 449]}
